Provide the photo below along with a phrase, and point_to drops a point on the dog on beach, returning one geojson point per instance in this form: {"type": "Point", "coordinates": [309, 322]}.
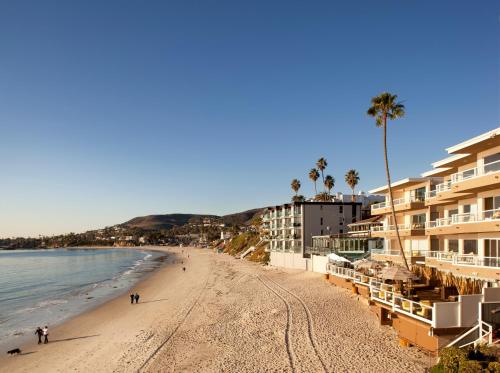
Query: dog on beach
{"type": "Point", "coordinates": [14, 351]}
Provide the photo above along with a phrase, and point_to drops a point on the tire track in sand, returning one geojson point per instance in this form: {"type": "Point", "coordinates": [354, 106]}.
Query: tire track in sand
{"type": "Point", "coordinates": [288, 329]}
{"type": "Point", "coordinates": [309, 321]}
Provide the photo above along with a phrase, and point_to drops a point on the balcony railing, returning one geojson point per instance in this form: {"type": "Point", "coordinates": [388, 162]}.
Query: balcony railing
{"type": "Point", "coordinates": [465, 218]}
{"type": "Point", "coordinates": [398, 201]}
{"type": "Point", "coordinates": [401, 227]}
{"type": "Point", "coordinates": [475, 172]}
{"type": "Point", "coordinates": [465, 259]}
{"type": "Point", "coordinates": [385, 293]}
{"type": "Point", "coordinates": [443, 187]}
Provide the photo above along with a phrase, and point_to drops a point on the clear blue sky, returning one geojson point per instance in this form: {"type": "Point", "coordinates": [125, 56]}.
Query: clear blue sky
{"type": "Point", "coordinates": [114, 109]}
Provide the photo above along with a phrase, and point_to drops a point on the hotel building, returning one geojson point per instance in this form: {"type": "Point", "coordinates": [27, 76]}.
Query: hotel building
{"type": "Point", "coordinates": [290, 228]}
{"type": "Point", "coordinates": [449, 218]}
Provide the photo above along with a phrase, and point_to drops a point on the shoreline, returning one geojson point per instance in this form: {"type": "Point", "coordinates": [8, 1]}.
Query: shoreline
{"type": "Point", "coordinates": [23, 340]}
{"type": "Point", "coordinates": [222, 314]}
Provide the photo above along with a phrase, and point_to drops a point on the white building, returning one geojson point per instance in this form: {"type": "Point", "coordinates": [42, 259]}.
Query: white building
{"type": "Point", "coordinates": [290, 228]}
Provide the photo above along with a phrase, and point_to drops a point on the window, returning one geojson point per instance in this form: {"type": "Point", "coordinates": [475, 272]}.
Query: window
{"type": "Point", "coordinates": [321, 221]}
{"type": "Point", "coordinates": [341, 209]}
{"type": "Point", "coordinates": [470, 247]}
{"type": "Point", "coordinates": [453, 246]}
{"type": "Point", "coordinates": [418, 194]}
{"type": "Point", "coordinates": [492, 163]}
{"type": "Point", "coordinates": [418, 221]}
{"type": "Point", "coordinates": [492, 203]}
{"type": "Point", "coordinates": [341, 231]}
{"type": "Point", "coordinates": [492, 253]}
{"type": "Point", "coordinates": [452, 212]}
{"type": "Point", "coordinates": [322, 232]}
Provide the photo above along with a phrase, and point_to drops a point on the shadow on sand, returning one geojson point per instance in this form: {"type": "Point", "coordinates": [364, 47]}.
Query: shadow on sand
{"type": "Point", "coordinates": [27, 353]}
{"type": "Point", "coordinates": [73, 338]}
{"type": "Point", "coordinates": [152, 301]}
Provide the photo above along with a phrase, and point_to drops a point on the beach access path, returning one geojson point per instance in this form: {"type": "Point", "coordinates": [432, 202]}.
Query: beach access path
{"type": "Point", "coordinates": [223, 315]}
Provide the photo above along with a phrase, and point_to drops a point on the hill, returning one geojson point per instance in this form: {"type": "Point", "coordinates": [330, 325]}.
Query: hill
{"type": "Point", "coordinates": [167, 221]}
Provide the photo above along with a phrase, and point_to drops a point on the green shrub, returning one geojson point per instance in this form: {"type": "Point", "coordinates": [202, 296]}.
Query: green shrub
{"type": "Point", "coordinates": [494, 367]}
{"type": "Point", "coordinates": [451, 358]}
{"type": "Point", "coordinates": [470, 366]}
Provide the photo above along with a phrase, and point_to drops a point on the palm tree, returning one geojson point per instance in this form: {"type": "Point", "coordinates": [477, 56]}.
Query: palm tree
{"type": "Point", "coordinates": [314, 176]}
{"type": "Point", "coordinates": [352, 179]}
{"type": "Point", "coordinates": [329, 184]}
{"type": "Point", "coordinates": [295, 186]}
{"type": "Point", "coordinates": [385, 106]}
{"type": "Point", "coordinates": [321, 165]}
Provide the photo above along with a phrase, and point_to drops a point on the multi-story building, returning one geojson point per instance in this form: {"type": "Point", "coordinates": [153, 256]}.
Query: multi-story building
{"type": "Point", "coordinates": [290, 227]}
{"type": "Point", "coordinates": [449, 219]}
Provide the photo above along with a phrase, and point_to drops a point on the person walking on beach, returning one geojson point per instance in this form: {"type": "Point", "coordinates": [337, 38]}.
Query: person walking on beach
{"type": "Point", "coordinates": [45, 332]}
{"type": "Point", "coordinates": [39, 333]}
{"type": "Point", "coordinates": [136, 298]}
{"type": "Point", "coordinates": [132, 298]}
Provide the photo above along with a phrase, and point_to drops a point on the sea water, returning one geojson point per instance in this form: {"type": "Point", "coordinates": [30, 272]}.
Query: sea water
{"type": "Point", "coordinates": [46, 287]}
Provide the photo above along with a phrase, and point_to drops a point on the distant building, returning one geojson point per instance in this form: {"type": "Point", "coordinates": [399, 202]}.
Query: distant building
{"type": "Point", "coordinates": [290, 228]}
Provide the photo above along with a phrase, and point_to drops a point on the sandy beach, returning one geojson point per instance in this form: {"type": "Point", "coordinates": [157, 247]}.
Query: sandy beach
{"type": "Point", "coordinates": [223, 315]}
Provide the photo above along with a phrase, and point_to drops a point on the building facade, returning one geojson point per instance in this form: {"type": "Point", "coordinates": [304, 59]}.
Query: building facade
{"type": "Point", "coordinates": [449, 218]}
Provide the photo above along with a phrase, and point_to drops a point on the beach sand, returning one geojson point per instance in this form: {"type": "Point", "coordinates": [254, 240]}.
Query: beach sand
{"type": "Point", "coordinates": [223, 315]}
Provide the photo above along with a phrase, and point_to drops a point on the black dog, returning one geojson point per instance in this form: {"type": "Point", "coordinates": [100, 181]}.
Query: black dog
{"type": "Point", "coordinates": [14, 351]}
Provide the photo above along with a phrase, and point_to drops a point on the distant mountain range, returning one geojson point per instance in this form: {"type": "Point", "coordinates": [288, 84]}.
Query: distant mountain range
{"type": "Point", "coordinates": [167, 221]}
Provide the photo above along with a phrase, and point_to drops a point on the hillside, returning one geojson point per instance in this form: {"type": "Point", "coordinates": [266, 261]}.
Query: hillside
{"type": "Point", "coordinates": [167, 221]}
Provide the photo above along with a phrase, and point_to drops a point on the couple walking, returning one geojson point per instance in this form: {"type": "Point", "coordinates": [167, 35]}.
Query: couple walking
{"type": "Point", "coordinates": [132, 297]}
{"type": "Point", "coordinates": [42, 332]}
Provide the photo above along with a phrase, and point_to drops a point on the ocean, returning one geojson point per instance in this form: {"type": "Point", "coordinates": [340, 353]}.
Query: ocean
{"type": "Point", "coordinates": [46, 287]}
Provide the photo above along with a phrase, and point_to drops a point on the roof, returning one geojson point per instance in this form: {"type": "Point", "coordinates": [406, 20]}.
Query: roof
{"type": "Point", "coordinates": [448, 160]}
{"type": "Point", "coordinates": [373, 219]}
{"type": "Point", "coordinates": [437, 172]}
{"type": "Point", "coordinates": [407, 181]}
{"type": "Point", "coordinates": [471, 143]}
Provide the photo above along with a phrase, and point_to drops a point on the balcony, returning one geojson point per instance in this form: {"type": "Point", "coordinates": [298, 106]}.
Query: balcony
{"type": "Point", "coordinates": [485, 221]}
{"type": "Point", "coordinates": [400, 204]}
{"type": "Point", "coordinates": [394, 256]}
{"type": "Point", "coordinates": [486, 268]}
{"type": "Point", "coordinates": [405, 230]}
{"type": "Point", "coordinates": [485, 176]}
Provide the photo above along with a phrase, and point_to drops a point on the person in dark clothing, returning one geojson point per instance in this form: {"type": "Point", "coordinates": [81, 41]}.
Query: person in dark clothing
{"type": "Point", "coordinates": [136, 298]}
{"type": "Point", "coordinates": [39, 333]}
{"type": "Point", "coordinates": [184, 269]}
{"type": "Point", "coordinates": [131, 298]}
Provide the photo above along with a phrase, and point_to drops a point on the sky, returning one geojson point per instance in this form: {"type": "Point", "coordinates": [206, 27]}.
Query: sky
{"type": "Point", "coordinates": [116, 109]}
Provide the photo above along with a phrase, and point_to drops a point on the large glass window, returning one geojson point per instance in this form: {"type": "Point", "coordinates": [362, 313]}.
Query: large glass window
{"type": "Point", "coordinates": [470, 247]}
{"type": "Point", "coordinates": [418, 194]}
{"type": "Point", "coordinates": [418, 221]}
{"type": "Point", "coordinates": [492, 163]}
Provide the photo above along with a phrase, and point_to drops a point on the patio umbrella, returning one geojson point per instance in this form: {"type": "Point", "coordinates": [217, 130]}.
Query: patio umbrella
{"type": "Point", "coordinates": [367, 264]}
{"type": "Point", "coordinates": [396, 273]}
{"type": "Point", "coordinates": [332, 257]}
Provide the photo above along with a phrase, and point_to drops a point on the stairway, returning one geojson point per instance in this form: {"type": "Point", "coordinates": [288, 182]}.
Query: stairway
{"type": "Point", "coordinates": [251, 249]}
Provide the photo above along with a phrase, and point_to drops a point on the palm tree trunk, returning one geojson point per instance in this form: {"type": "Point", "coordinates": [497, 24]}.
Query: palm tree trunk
{"type": "Point", "coordinates": [353, 197]}
{"type": "Point", "coordinates": [323, 178]}
{"type": "Point", "coordinates": [315, 189]}
{"type": "Point", "coordinates": [390, 195]}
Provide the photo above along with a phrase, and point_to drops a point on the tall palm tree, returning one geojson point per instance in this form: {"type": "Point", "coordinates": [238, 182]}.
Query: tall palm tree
{"type": "Point", "coordinates": [314, 176]}
{"type": "Point", "coordinates": [329, 184]}
{"type": "Point", "coordinates": [385, 106]}
{"type": "Point", "coordinates": [352, 179]}
{"type": "Point", "coordinates": [295, 186]}
{"type": "Point", "coordinates": [321, 165]}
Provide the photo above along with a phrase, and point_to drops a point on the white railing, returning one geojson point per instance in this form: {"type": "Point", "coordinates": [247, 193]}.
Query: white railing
{"type": "Point", "coordinates": [465, 259]}
{"type": "Point", "coordinates": [465, 218]}
{"type": "Point", "coordinates": [443, 187]}
{"type": "Point", "coordinates": [484, 331]}
{"type": "Point", "coordinates": [401, 227]}
{"type": "Point", "coordinates": [385, 293]}
{"type": "Point", "coordinates": [475, 172]}
{"type": "Point", "coordinates": [398, 201]}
